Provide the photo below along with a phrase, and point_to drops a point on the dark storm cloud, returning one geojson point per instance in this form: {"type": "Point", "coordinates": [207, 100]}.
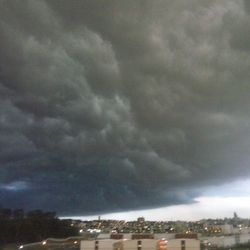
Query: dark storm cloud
{"type": "Point", "coordinates": [119, 105]}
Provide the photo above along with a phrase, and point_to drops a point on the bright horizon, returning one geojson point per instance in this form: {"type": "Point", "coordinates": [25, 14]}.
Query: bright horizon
{"type": "Point", "coordinates": [213, 206]}
{"type": "Point", "coordinates": [205, 208]}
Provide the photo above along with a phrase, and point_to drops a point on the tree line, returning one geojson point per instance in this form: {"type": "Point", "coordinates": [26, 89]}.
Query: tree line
{"type": "Point", "coordinates": [17, 226]}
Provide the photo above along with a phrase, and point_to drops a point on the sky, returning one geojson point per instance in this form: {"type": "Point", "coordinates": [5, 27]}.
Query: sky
{"type": "Point", "coordinates": [115, 106]}
{"type": "Point", "coordinates": [217, 202]}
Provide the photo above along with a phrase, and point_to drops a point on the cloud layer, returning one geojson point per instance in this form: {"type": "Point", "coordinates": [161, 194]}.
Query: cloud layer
{"type": "Point", "coordinates": [116, 105]}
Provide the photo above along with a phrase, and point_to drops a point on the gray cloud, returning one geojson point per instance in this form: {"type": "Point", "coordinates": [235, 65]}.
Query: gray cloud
{"type": "Point", "coordinates": [15, 186]}
{"type": "Point", "coordinates": [122, 105]}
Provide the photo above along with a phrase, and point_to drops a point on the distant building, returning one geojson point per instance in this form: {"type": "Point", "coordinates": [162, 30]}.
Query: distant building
{"type": "Point", "coordinates": [221, 241]}
{"type": "Point", "coordinates": [235, 215]}
{"type": "Point", "coordinates": [244, 238]}
{"type": "Point", "coordinates": [227, 241]}
{"type": "Point", "coordinates": [226, 229]}
{"type": "Point", "coordinates": [140, 219]}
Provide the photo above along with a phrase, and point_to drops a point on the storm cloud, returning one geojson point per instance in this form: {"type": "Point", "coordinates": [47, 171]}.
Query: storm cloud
{"type": "Point", "coordinates": [117, 105]}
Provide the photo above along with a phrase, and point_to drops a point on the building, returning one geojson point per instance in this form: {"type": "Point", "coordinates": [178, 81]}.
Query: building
{"type": "Point", "coordinates": [106, 244]}
{"type": "Point", "coordinates": [226, 229]}
{"type": "Point", "coordinates": [183, 244]}
{"type": "Point", "coordinates": [122, 242]}
{"type": "Point", "coordinates": [143, 242]}
{"type": "Point", "coordinates": [71, 243]}
{"type": "Point", "coordinates": [221, 241]}
{"type": "Point", "coordinates": [244, 238]}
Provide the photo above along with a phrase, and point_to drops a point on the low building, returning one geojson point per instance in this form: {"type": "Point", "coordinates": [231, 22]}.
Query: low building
{"type": "Point", "coordinates": [54, 244]}
{"type": "Point", "coordinates": [226, 229]}
{"type": "Point", "coordinates": [220, 241]}
{"type": "Point", "coordinates": [143, 244]}
{"type": "Point", "coordinates": [106, 244]}
{"type": "Point", "coordinates": [227, 241]}
{"type": "Point", "coordinates": [183, 244]}
{"type": "Point", "coordinates": [244, 238]}
{"type": "Point", "coordinates": [167, 236]}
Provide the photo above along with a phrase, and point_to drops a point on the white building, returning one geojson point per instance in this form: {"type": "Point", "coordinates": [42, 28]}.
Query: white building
{"type": "Point", "coordinates": [226, 229]}
{"type": "Point", "coordinates": [106, 244]}
{"type": "Point", "coordinates": [244, 238]}
{"type": "Point", "coordinates": [183, 244]}
{"type": "Point", "coordinates": [221, 241]}
{"type": "Point", "coordinates": [167, 236]}
{"type": "Point", "coordinates": [241, 230]}
{"type": "Point", "coordinates": [143, 244]}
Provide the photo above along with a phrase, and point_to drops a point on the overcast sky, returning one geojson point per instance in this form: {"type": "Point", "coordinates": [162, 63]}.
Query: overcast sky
{"type": "Point", "coordinates": [110, 106]}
